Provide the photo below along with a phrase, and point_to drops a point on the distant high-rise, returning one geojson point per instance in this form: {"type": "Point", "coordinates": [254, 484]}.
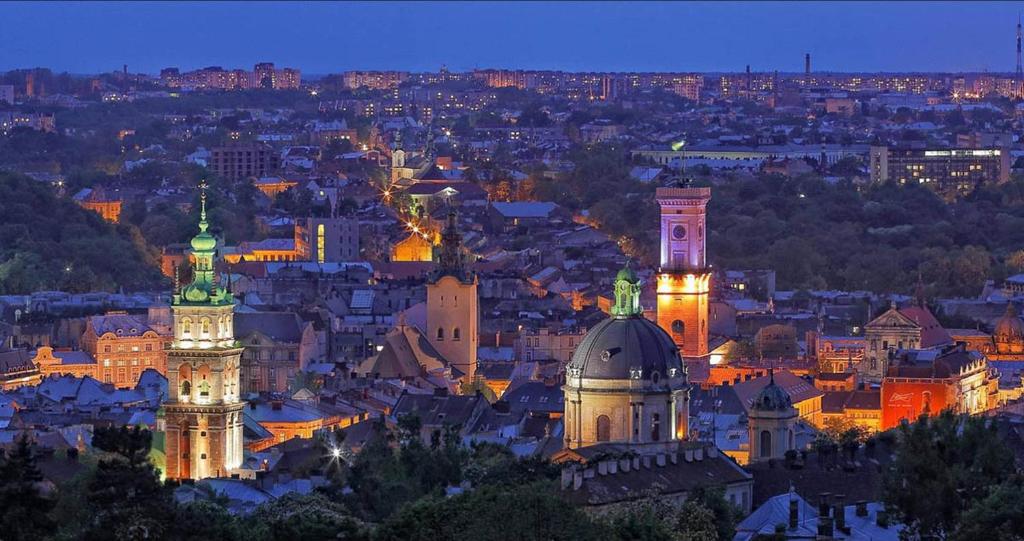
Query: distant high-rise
{"type": "Point", "coordinates": [1020, 69]}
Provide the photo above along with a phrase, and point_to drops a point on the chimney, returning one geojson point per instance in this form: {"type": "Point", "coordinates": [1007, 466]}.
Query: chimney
{"type": "Point", "coordinates": [252, 405]}
{"type": "Point", "coordinates": [839, 511]}
{"type": "Point", "coordinates": [807, 64]}
{"type": "Point", "coordinates": [276, 404]}
{"type": "Point", "coordinates": [824, 504]}
{"type": "Point", "coordinates": [794, 513]}
{"type": "Point", "coordinates": [882, 518]}
{"type": "Point", "coordinates": [862, 508]}
{"type": "Point", "coordinates": [825, 526]}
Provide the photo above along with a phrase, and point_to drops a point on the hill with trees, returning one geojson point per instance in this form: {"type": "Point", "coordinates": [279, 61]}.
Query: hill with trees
{"type": "Point", "coordinates": [50, 243]}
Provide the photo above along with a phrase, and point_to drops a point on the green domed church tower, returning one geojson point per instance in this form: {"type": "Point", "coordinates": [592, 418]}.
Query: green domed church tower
{"type": "Point", "coordinates": [201, 416]}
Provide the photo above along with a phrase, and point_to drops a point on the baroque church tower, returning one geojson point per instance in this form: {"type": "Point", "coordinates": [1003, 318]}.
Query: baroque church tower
{"type": "Point", "coordinates": [453, 309]}
{"type": "Point", "coordinates": [202, 414]}
{"type": "Point", "coordinates": [684, 278]}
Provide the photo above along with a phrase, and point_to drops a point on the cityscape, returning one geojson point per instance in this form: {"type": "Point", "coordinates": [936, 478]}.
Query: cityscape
{"type": "Point", "coordinates": [246, 299]}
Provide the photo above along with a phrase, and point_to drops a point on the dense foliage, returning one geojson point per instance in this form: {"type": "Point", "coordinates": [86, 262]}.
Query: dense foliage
{"type": "Point", "coordinates": [954, 478]}
{"type": "Point", "coordinates": [48, 243]}
{"type": "Point", "coordinates": [814, 234]}
{"type": "Point", "coordinates": [396, 487]}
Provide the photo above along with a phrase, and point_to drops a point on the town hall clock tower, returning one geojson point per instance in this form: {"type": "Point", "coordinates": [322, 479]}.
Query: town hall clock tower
{"type": "Point", "coordinates": [684, 278]}
{"type": "Point", "coordinates": [201, 416]}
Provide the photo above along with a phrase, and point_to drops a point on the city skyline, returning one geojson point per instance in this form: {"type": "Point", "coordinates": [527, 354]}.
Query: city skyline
{"type": "Point", "coordinates": [331, 37]}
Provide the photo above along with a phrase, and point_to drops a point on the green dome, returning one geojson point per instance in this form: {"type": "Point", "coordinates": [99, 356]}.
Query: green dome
{"type": "Point", "coordinates": [628, 274]}
{"type": "Point", "coordinates": [204, 242]}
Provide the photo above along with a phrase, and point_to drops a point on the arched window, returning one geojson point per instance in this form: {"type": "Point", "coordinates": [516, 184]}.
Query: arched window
{"type": "Point", "coordinates": [186, 388]}
{"type": "Point", "coordinates": [604, 428]}
{"type": "Point", "coordinates": [766, 444]}
{"type": "Point", "coordinates": [186, 327]}
{"type": "Point", "coordinates": [456, 335]}
{"type": "Point", "coordinates": [440, 333]}
{"type": "Point", "coordinates": [655, 427]}
{"type": "Point", "coordinates": [204, 326]}
{"type": "Point", "coordinates": [204, 389]}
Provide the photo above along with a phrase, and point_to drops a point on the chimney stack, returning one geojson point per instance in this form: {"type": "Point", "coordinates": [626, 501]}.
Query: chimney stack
{"type": "Point", "coordinates": [807, 64]}
{"type": "Point", "coordinates": [794, 513]}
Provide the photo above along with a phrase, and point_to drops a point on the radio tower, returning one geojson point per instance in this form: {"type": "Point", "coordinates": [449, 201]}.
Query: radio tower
{"type": "Point", "coordinates": [1020, 70]}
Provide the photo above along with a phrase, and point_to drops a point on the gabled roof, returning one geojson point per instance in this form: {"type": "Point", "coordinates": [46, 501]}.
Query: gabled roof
{"type": "Point", "coordinates": [406, 354]}
{"type": "Point", "coordinates": [932, 333]}
{"type": "Point", "coordinates": [893, 318]}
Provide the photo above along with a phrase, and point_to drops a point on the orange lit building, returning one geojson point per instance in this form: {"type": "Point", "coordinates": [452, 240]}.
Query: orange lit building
{"type": "Point", "coordinates": [415, 247]}
{"type": "Point", "coordinates": [683, 278]}
{"type": "Point", "coordinates": [927, 382]}
{"type": "Point", "coordinates": [98, 201]}
{"type": "Point", "coordinates": [272, 186]}
{"type": "Point", "coordinates": [288, 419]}
{"type": "Point", "coordinates": [116, 348]}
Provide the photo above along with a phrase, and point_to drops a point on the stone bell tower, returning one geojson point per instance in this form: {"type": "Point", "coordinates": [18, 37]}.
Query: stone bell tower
{"type": "Point", "coordinates": [684, 278]}
{"type": "Point", "coordinates": [202, 415]}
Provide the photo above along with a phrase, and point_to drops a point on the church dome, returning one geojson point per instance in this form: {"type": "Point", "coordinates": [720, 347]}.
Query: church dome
{"type": "Point", "coordinates": [618, 346]}
{"type": "Point", "coordinates": [772, 398]}
{"type": "Point", "coordinates": [1009, 332]}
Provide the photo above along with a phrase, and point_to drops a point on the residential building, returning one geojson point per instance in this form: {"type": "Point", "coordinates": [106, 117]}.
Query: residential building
{"type": "Point", "coordinates": [952, 172]}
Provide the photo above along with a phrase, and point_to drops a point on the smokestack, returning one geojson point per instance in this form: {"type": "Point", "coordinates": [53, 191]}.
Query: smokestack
{"type": "Point", "coordinates": [748, 78]}
{"type": "Point", "coordinates": [1020, 69]}
{"type": "Point", "coordinates": [807, 64]}
{"type": "Point", "coordinates": [794, 513]}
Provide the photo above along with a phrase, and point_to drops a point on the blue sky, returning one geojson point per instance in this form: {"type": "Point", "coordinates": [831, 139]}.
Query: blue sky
{"type": "Point", "coordinates": [324, 37]}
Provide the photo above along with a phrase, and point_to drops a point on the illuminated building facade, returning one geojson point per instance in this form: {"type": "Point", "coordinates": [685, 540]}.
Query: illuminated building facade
{"type": "Point", "coordinates": [684, 279]}
{"type": "Point", "coordinates": [626, 383]}
{"type": "Point", "coordinates": [202, 414]}
{"type": "Point", "coordinates": [327, 240]}
{"type": "Point", "coordinates": [453, 309]}
{"type": "Point", "coordinates": [950, 172]}
{"type": "Point", "coordinates": [771, 420]}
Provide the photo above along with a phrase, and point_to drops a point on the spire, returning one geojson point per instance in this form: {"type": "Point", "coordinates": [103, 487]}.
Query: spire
{"type": "Point", "coordinates": [202, 289]}
{"type": "Point", "coordinates": [627, 293]}
{"type": "Point", "coordinates": [919, 291]}
{"type": "Point", "coordinates": [450, 261]}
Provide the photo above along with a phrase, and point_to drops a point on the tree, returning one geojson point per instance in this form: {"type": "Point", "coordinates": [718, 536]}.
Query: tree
{"type": "Point", "coordinates": [943, 465]}
{"type": "Point", "coordinates": [125, 496]}
{"type": "Point", "coordinates": [25, 508]}
{"type": "Point", "coordinates": [1000, 515]}
{"type": "Point", "coordinates": [311, 517]}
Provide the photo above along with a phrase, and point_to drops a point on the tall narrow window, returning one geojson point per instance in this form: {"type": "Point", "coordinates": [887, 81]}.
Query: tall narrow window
{"type": "Point", "coordinates": [766, 444]}
{"type": "Point", "coordinates": [440, 333]}
{"type": "Point", "coordinates": [655, 427]}
{"type": "Point", "coordinates": [320, 243]}
{"type": "Point", "coordinates": [456, 335]}
{"type": "Point", "coordinates": [604, 428]}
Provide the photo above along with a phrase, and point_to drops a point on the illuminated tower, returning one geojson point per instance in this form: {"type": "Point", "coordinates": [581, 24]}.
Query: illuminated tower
{"type": "Point", "coordinates": [453, 309]}
{"type": "Point", "coordinates": [202, 415]}
{"type": "Point", "coordinates": [684, 279]}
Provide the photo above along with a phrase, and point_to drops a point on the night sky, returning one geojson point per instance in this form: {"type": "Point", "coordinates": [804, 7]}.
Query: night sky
{"type": "Point", "coordinates": [578, 36]}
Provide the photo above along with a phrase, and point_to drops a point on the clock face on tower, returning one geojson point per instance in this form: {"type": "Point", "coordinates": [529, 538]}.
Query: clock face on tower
{"type": "Point", "coordinates": [679, 232]}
